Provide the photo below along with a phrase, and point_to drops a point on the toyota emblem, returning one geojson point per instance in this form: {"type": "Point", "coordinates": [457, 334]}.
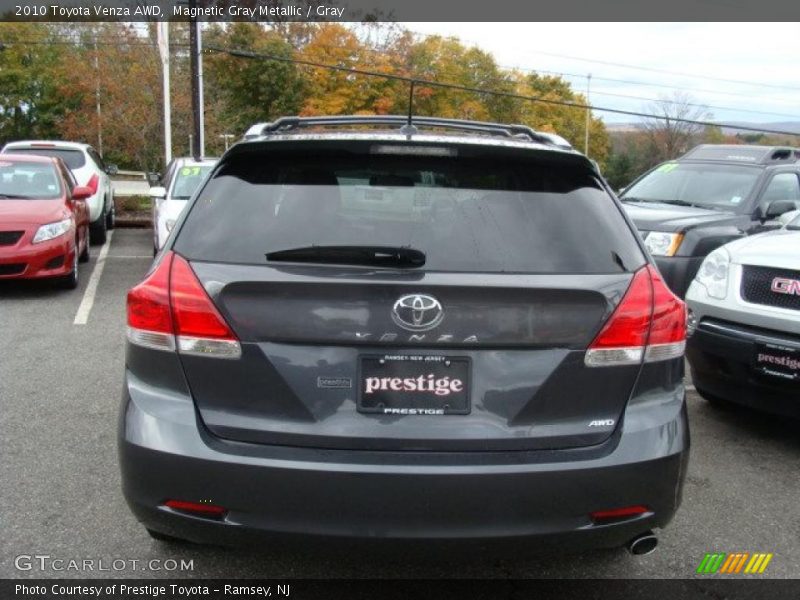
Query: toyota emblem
{"type": "Point", "coordinates": [417, 312]}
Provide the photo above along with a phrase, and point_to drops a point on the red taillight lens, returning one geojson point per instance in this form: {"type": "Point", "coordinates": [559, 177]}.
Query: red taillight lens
{"type": "Point", "coordinates": [630, 322]}
{"type": "Point", "coordinates": [148, 302]}
{"type": "Point", "coordinates": [199, 508]}
{"type": "Point", "coordinates": [171, 306]}
{"type": "Point", "coordinates": [616, 514]}
{"type": "Point", "coordinates": [648, 324]}
{"type": "Point", "coordinates": [669, 313]}
{"type": "Point", "coordinates": [93, 183]}
{"type": "Point", "coordinates": [195, 314]}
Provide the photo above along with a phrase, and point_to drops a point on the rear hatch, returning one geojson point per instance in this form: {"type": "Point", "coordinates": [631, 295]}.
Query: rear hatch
{"type": "Point", "coordinates": [408, 297]}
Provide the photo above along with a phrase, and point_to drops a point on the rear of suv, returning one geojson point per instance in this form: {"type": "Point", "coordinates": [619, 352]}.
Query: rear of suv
{"type": "Point", "coordinates": [365, 328]}
{"type": "Point", "coordinates": [89, 170]}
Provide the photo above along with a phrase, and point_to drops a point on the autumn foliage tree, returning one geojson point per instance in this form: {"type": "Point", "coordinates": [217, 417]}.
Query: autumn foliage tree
{"type": "Point", "coordinates": [52, 78]}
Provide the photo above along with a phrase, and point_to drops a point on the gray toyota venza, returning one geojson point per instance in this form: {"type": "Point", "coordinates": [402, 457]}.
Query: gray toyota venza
{"type": "Point", "coordinates": [420, 329]}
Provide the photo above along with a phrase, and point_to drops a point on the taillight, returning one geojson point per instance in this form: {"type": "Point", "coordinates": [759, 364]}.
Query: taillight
{"type": "Point", "coordinates": [618, 514]}
{"type": "Point", "coordinates": [170, 308]}
{"type": "Point", "coordinates": [93, 183]}
{"type": "Point", "coordinates": [648, 324]}
{"type": "Point", "coordinates": [149, 315]}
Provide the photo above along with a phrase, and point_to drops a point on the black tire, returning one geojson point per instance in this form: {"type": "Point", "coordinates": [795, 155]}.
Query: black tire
{"type": "Point", "coordinates": [99, 231]}
{"type": "Point", "coordinates": [714, 401]}
{"type": "Point", "coordinates": [70, 282]}
{"type": "Point", "coordinates": [163, 537]}
{"type": "Point", "coordinates": [111, 217]}
{"type": "Point", "coordinates": [84, 256]}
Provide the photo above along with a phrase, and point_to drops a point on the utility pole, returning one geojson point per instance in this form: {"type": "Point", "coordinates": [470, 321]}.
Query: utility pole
{"type": "Point", "coordinates": [162, 30]}
{"type": "Point", "coordinates": [196, 66]}
{"type": "Point", "coordinates": [588, 114]}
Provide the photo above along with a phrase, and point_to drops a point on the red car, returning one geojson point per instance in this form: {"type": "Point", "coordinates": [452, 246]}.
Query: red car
{"type": "Point", "coordinates": [44, 220]}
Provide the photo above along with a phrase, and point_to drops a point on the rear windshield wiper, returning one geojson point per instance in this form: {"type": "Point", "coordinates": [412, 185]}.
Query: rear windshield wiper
{"type": "Point", "coordinates": [378, 256]}
{"type": "Point", "coordinates": [15, 197]}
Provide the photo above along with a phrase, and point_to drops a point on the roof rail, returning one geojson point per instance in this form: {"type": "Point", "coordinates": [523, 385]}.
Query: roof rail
{"type": "Point", "coordinates": [407, 126]}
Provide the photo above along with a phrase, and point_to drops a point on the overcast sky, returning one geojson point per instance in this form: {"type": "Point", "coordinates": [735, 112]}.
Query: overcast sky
{"type": "Point", "coordinates": [762, 60]}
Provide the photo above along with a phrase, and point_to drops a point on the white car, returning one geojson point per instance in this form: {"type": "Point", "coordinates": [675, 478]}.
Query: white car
{"type": "Point", "coordinates": [183, 177]}
{"type": "Point", "coordinates": [89, 170]}
{"type": "Point", "coordinates": [744, 322]}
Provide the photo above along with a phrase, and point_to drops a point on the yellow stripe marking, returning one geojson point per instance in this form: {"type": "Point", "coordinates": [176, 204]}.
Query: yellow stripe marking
{"type": "Point", "coordinates": [767, 558]}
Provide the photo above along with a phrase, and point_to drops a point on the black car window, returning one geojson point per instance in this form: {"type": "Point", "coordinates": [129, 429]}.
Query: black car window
{"type": "Point", "coordinates": [464, 214]}
{"type": "Point", "coordinates": [74, 159]}
{"type": "Point", "coordinates": [783, 186]}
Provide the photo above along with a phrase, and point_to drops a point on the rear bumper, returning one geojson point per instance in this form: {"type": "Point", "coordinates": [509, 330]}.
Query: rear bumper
{"type": "Point", "coordinates": [271, 491]}
{"type": "Point", "coordinates": [720, 356]}
{"type": "Point", "coordinates": [678, 271]}
{"type": "Point", "coordinates": [33, 261]}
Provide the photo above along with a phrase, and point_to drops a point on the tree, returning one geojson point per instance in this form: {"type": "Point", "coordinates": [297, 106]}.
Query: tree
{"type": "Point", "coordinates": [670, 132]}
{"type": "Point", "coordinates": [30, 103]}
{"type": "Point", "coordinates": [242, 91]}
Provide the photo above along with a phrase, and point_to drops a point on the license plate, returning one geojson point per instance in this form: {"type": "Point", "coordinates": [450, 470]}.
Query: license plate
{"type": "Point", "coordinates": [414, 385]}
{"type": "Point", "coordinates": [777, 361]}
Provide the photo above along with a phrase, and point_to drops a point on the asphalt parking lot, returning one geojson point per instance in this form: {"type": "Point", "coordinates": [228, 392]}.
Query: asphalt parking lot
{"type": "Point", "coordinates": [60, 386]}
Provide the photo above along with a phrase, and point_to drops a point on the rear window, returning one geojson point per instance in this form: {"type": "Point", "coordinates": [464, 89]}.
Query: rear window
{"type": "Point", "coordinates": [28, 181]}
{"type": "Point", "coordinates": [465, 214]}
{"type": "Point", "coordinates": [74, 159]}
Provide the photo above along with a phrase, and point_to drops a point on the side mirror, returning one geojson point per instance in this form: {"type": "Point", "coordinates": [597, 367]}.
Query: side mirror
{"type": "Point", "coordinates": [81, 192]}
{"type": "Point", "coordinates": [111, 169]}
{"type": "Point", "coordinates": [158, 192]}
{"type": "Point", "coordinates": [776, 208]}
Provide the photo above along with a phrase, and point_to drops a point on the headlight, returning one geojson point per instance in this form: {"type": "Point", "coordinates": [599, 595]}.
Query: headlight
{"type": "Point", "coordinates": [170, 223]}
{"type": "Point", "coordinates": [52, 230]}
{"type": "Point", "coordinates": [663, 244]}
{"type": "Point", "coordinates": [713, 273]}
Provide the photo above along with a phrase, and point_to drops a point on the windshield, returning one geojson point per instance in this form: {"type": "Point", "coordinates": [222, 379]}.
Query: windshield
{"type": "Point", "coordinates": [28, 181]}
{"type": "Point", "coordinates": [715, 186]}
{"type": "Point", "coordinates": [187, 179]}
{"type": "Point", "coordinates": [459, 214]}
{"type": "Point", "coordinates": [74, 159]}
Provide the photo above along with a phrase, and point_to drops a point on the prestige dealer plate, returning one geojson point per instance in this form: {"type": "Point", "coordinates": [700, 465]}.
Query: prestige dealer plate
{"type": "Point", "coordinates": [406, 384]}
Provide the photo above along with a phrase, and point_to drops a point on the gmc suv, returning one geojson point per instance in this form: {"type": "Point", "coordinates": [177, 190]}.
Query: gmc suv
{"type": "Point", "coordinates": [368, 327]}
{"type": "Point", "coordinates": [712, 195]}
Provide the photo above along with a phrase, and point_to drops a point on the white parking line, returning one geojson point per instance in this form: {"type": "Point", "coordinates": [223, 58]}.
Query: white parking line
{"type": "Point", "coordinates": [82, 316]}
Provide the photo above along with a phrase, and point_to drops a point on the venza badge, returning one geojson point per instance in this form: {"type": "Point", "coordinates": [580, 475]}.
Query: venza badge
{"type": "Point", "coordinates": [417, 312]}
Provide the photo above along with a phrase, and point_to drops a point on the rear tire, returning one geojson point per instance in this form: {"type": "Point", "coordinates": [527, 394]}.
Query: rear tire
{"type": "Point", "coordinates": [111, 218]}
{"type": "Point", "coordinates": [163, 537]}
{"type": "Point", "coordinates": [84, 256]}
{"type": "Point", "coordinates": [99, 231]}
{"type": "Point", "coordinates": [70, 282]}
{"type": "Point", "coordinates": [714, 401]}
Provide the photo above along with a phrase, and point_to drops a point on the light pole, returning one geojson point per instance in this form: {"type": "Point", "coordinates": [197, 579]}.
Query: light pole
{"type": "Point", "coordinates": [162, 30]}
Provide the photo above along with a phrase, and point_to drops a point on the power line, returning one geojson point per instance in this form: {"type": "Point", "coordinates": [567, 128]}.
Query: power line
{"type": "Point", "coordinates": [239, 53]}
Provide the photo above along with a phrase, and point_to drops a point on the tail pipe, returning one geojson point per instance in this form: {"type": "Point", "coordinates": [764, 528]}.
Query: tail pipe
{"type": "Point", "coordinates": [644, 543]}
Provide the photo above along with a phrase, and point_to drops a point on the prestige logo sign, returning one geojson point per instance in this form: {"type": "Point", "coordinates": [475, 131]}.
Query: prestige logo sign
{"type": "Point", "coordinates": [442, 386]}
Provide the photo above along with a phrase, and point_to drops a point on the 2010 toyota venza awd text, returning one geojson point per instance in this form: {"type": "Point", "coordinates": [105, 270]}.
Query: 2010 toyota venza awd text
{"type": "Point", "coordinates": [364, 329]}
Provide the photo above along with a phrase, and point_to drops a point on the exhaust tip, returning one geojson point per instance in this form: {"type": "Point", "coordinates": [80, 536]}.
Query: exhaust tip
{"type": "Point", "coordinates": [643, 544]}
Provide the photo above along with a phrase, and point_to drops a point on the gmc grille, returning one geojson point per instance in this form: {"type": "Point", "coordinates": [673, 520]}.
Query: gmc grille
{"type": "Point", "coordinates": [757, 287]}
